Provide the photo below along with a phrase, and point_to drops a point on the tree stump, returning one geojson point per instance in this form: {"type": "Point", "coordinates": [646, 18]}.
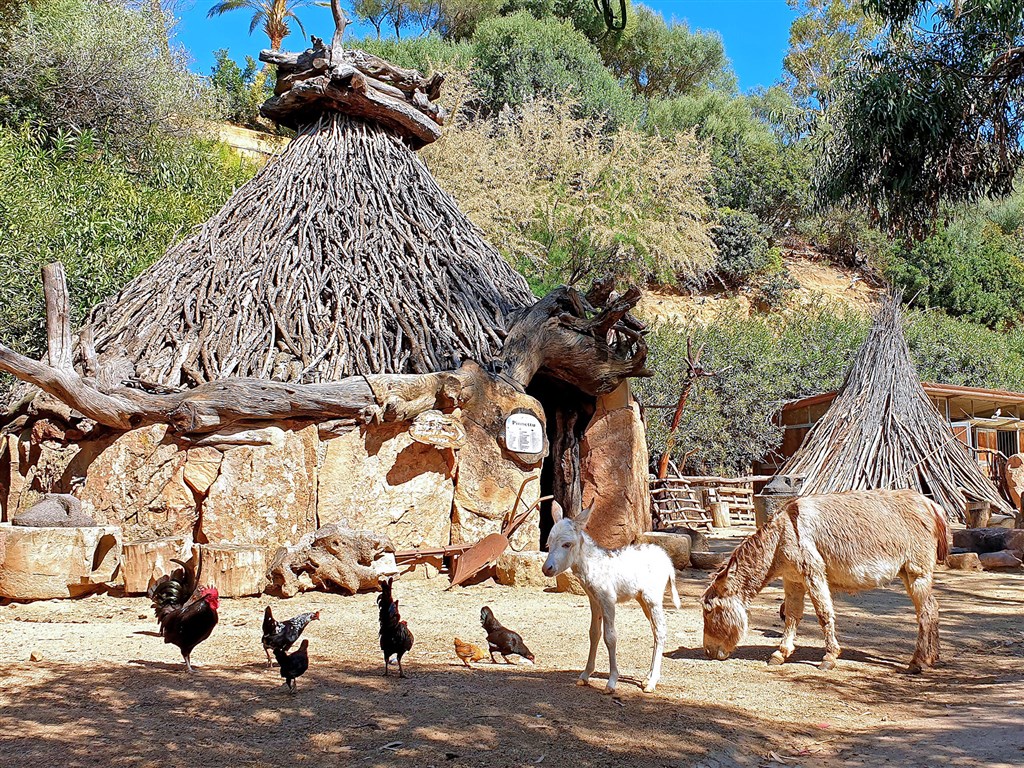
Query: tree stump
{"type": "Point", "coordinates": [235, 570]}
{"type": "Point", "coordinates": [720, 514]}
{"type": "Point", "coordinates": [145, 560]}
{"type": "Point", "coordinates": [47, 563]}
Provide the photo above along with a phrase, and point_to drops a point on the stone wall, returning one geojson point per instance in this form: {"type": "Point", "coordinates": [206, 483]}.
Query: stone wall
{"type": "Point", "coordinates": [269, 487]}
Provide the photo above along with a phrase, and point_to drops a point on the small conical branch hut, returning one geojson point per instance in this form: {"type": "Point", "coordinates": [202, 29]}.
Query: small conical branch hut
{"type": "Point", "coordinates": [337, 345]}
{"type": "Point", "coordinates": [882, 431]}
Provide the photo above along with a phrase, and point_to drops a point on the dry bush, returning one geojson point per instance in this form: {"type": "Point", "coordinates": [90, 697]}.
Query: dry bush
{"type": "Point", "coordinates": [567, 203]}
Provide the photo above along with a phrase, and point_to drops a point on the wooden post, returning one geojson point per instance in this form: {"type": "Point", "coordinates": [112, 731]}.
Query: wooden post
{"type": "Point", "coordinates": [58, 316]}
{"type": "Point", "coordinates": [720, 514]}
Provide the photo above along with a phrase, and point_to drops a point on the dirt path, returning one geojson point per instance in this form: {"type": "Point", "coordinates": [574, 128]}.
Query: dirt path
{"type": "Point", "coordinates": [109, 693]}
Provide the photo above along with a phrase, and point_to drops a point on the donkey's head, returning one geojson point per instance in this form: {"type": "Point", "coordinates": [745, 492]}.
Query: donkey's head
{"type": "Point", "coordinates": [725, 614]}
{"type": "Point", "coordinates": [565, 541]}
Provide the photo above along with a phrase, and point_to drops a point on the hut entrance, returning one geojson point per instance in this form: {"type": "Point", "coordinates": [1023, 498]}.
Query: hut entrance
{"type": "Point", "coordinates": [567, 411]}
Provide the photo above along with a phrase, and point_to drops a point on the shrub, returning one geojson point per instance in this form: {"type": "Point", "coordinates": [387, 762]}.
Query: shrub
{"type": "Point", "coordinates": [566, 207]}
{"type": "Point", "coordinates": [239, 93]}
{"type": "Point", "coordinates": [518, 59]}
{"type": "Point", "coordinates": [84, 65]}
{"type": "Point", "coordinates": [743, 248]}
{"type": "Point", "coordinates": [105, 218]}
{"type": "Point", "coordinates": [774, 290]}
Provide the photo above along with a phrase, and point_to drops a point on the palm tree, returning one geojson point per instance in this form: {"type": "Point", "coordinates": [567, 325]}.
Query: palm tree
{"type": "Point", "coordinates": [274, 15]}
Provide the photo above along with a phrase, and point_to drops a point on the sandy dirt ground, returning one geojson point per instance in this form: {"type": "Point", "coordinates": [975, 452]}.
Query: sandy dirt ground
{"type": "Point", "coordinates": [107, 692]}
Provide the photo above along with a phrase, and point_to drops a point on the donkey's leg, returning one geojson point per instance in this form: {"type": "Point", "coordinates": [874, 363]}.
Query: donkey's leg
{"type": "Point", "coordinates": [919, 587]}
{"type": "Point", "coordinates": [794, 607]}
{"type": "Point", "coordinates": [821, 599]}
{"type": "Point", "coordinates": [655, 614]}
{"type": "Point", "coordinates": [609, 640]}
{"type": "Point", "coordinates": [595, 637]}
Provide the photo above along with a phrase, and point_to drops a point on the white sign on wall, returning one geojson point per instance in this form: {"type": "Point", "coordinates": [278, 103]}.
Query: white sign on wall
{"type": "Point", "coordinates": [524, 433]}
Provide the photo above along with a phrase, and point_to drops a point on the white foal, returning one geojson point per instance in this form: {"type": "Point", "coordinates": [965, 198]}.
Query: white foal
{"type": "Point", "coordinates": [640, 571]}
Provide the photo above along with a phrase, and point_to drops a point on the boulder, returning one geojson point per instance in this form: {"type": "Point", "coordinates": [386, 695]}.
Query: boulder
{"type": "Point", "coordinates": [378, 478]}
{"type": "Point", "coordinates": [698, 539]}
{"type": "Point", "coordinates": [676, 545]}
{"type": "Point", "coordinates": [994, 561]}
{"type": "Point", "coordinates": [488, 481]}
{"type": "Point", "coordinates": [264, 496]}
{"type": "Point", "coordinates": [522, 569]}
{"type": "Point", "coordinates": [46, 563]}
{"type": "Point", "coordinates": [143, 561]}
{"type": "Point", "coordinates": [613, 469]}
{"type": "Point", "coordinates": [137, 482]}
{"type": "Point", "coordinates": [967, 561]}
{"type": "Point", "coordinates": [1001, 521]}
{"type": "Point", "coordinates": [567, 581]}
{"type": "Point", "coordinates": [428, 569]}
{"type": "Point", "coordinates": [236, 571]}
{"type": "Point", "coordinates": [707, 561]}
{"type": "Point", "coordinates": [56, 510]}
{"type": "Point", "coordinates": [1014, 542]}
{"type": "Point", "coordinates": [980, 539]}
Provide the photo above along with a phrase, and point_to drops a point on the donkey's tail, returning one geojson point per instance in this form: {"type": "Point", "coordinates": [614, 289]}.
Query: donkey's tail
{"type": "Point", "coordinates": [672, 583]}
{"type": "Point", "coordinates": [941, 533]}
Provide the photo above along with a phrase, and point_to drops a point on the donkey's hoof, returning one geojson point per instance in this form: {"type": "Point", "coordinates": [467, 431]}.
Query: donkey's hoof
{"type": "Point", "coordinates": [915, 668]}
{"type": "Point", "coordinates": [776, 659]}
{"type": "Point", "coordinates": [608, 690]}
{"type": "Point", "coordinates": [827, 665]}
{"type": "Point", "coordinates": [582, 682]}
{"type": "Point", "coordinates": [649, 686]}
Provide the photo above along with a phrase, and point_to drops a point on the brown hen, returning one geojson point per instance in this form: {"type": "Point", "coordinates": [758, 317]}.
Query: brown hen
{"type": "Point", "coordinates": [468, 652]}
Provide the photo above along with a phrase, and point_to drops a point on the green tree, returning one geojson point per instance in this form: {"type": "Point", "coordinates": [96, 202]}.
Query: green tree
{"type": "Point", "coordinates": [240, 92]}
{"type": "Point", "coordinates": [824, 40]}
{"type": "Point", "coordinates": [934, 116]}
{"type": "Point", "coordinates": [275, 16]}
{"type": "Point", "coordinates": [519, 58]}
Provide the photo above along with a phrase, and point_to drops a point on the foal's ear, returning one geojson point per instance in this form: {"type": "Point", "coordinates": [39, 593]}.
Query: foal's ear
{"type": "Point", "coordinates": [556, 512]}
{"type": "Point", "coordinates": [582, 517]}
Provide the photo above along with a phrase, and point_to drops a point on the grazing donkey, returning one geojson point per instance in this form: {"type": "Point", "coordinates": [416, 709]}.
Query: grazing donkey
{"type": "Point", "coordinates": [847, 541]}
{"type": "Point", "coordinates": [640, 571]}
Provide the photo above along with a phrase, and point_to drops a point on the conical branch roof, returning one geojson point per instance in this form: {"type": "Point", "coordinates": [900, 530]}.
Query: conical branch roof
{"type": "Point", "coordinates": [342, 256]}
{"type": "Point", "coordinates": [882, 431]}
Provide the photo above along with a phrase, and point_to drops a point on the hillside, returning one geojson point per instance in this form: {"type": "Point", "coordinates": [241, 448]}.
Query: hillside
{"type": "Point", "coordinates": [819, 280]}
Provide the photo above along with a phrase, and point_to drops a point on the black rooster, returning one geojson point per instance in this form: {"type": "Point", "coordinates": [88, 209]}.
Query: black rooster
{"type": "Point", "coordinates": [504, 641]}
{"type": "Point", "coordinates": [293, 664]}
{"type": "Point", "coordinates": [186, 613]}
{"type": "Point", "coordinates": [281, 635]}
{"type": "Point", "coordinates": [395, 637]}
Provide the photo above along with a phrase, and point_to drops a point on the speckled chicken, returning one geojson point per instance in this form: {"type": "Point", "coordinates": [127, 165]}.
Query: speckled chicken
{"type": "Point", "coordinates": [281, 635]}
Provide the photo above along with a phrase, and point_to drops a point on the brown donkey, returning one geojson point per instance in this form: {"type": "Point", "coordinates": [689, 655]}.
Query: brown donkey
{"type": "Point", "coordinates": [847, 541]}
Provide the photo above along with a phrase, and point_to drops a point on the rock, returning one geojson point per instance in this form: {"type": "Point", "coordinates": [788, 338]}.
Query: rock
{"type": "Point", "coordinates": [384, 567]}
{"type": "Point", "coordinates": [522, 569]}
{"type": "Point", "coordinates": [429, 569]}
{"type": "Point", "coordinates": [439, 429]}
{"type": "Point", "coordinates": [202, 465]}
{"type": "Point", "coordinates": [236, 571]}
{"type": "Point", "coordinates": [56, 510]}
{"type": "Point", "coordinates": [707, 561]}
{"type": "Point", "coordinates": [676, 545]}
{"type": "Point", "coordinates": [967, 561]}
{"type": "Point", "coordinates": [264, 496]}
{"type": "Point", "coordinates": [143, 561]}
{"type": "Point", "coordinates": [698, 539]}
{"type": "Point", "coordinates": [378, 478]}
{"type": "Point", "coordinates": [1001, 521]}
{"type": "Point", "coordinates": [993, 561]}
{"type": "Point", "coordinates": [980, 539]}
{"type": "Point", "coordinates": [1015, 477]}
{"type": "Point", "coordinates": [567, 581]}
{"type": "Point", "coordinates": [490, 474]}
{"type": "Point", "coordinates": [1014, 542]}
{"type": "Point", "coordinates": [136, 481]}
{"type": "Point", "coordinates": [45, 563]}
{"type": "Point", "coordinates": [35, 656]}
{"type": "Point", "coordinates": [613, 469]}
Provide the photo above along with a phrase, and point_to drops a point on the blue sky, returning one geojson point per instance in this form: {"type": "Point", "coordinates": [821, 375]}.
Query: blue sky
{"type": "Point", "coordinates": [755, 32]}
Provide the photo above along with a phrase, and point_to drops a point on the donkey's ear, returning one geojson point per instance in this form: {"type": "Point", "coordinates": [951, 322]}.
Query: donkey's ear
{"type": "Point", "coordinates": [582, 518]}
{"type": "Point", "coordinates": [556, 512]}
